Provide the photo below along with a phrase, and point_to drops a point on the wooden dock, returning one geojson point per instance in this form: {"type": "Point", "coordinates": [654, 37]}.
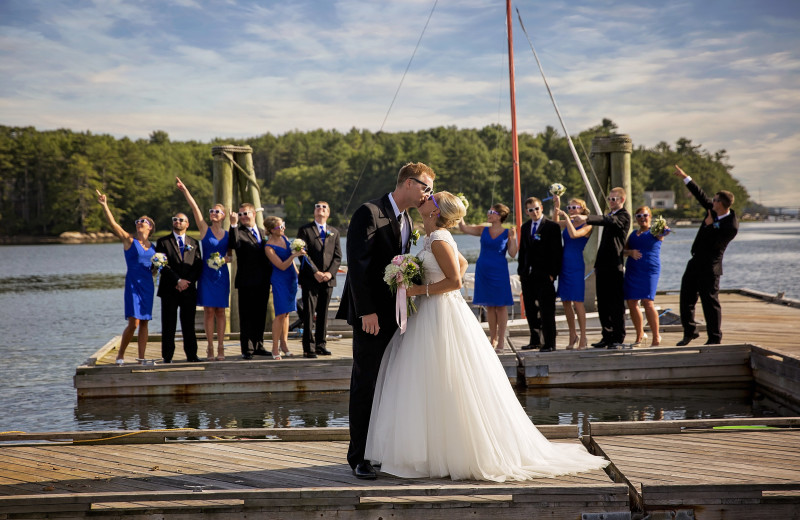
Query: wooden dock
{"type": "Point", "coordinates": [760, 344]}
{"type": "Point", "coordinates": [697, 469]}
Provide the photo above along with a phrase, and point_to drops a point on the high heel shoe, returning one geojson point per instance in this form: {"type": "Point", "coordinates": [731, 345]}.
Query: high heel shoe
{"type": "Point", "coordinates": [210, 354]}
{"type": "Point", "coordinates": [656, 341]}
{"type": "Point", "coordinates": [221, 353]}
{"type": "Point", "coordinates": [639, 341]}
{"type": "Point", "coordinates": [572, 342]}
{"type": "Point", "coordinates": [276, 357]}
{"type": "Point", "coordinates": [582, 344]}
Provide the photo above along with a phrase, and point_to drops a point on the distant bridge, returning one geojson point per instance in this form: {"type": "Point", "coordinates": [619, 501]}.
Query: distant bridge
{"type": "Point", "coordinates": [788, 212]}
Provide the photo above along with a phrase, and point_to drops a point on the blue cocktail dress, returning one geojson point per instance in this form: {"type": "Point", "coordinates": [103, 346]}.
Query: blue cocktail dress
{"type": "Point", "coordinates": [571, 284]}
{"type": "Point", "coordinates": [641, 276]}
{"type": "Point", "coordinates": [284, 283]}
{"type": "Point", "coordinates": [214, 286]}
{"type": "Point", "coordinates": [492, 283]}
{"type": "Point", "coordinates": [139, 287]}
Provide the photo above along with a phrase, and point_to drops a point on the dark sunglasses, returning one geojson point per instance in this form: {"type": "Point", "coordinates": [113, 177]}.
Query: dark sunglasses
{"type": "Point", "coordinates": [535, 208]}
{"type": "Point", "coordinates": [320, 206]}
{"type": "Point", "coordinates": [178, 219]}
{"type": "Point", "coordinates": [614, 199]}
{"type": "Point", "coordinates": [642, 215]}
{"type": "Point", "coordinates": [574, 207]}
{"type": "Point", "coordinates": [215, 211]}
{"type": "Point", "coordinates": [427, 189]}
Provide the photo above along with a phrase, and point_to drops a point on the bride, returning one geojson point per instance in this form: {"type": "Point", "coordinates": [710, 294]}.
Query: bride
{"type": "Point", "coordinates": [443, 404]}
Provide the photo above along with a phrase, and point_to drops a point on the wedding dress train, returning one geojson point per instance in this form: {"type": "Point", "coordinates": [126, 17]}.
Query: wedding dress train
{"type": "Point", "coordinates": [443, 404]}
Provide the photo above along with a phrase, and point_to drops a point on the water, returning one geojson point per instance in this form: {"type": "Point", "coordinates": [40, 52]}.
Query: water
{"type": "Point", "coordinates": [60, 303]}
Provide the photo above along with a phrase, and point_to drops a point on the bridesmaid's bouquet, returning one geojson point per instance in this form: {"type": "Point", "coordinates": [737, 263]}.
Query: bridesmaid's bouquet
{"type": "Point", "coordinates": [402, 273]}
{"type": "Point", "coordinates": [658, 227]}
{"type": "Point", "coordinates": [159, 261]}
{"type": "Point", "coordinates": [557, 189]}
{"type": "Point", "coordinates": [297, 245]}
{"type": "Point", "coordinates": [215, 261]}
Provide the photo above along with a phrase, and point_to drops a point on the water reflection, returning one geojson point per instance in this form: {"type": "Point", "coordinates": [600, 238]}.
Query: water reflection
{"type": "Point", "coordinates": [320, 409]}
{"type": "Point", "coordinates": [62, 282]}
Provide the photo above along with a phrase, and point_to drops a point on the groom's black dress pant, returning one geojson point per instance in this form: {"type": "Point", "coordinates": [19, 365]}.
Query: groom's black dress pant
{"type": "Point", "coordinates": [368, 352]}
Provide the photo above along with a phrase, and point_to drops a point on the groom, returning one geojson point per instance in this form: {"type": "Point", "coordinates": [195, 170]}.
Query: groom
{"type": "Point", "coordinates": [379, 230]}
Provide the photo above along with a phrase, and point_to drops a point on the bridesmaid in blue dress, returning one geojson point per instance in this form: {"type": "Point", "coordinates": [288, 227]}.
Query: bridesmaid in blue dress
{"type": "Point", "coordinates": [571, 283]}
{"type": "Point", "coordinates": [284, 283]}
{"type": "Point", "coordinates": [139, 288]}
{"type": "Point", "coordinates": [642, 270]}
{"type": "Point", "coordinates": [214, 285]}
{"type": "Point", "coordinates": [492, 281]}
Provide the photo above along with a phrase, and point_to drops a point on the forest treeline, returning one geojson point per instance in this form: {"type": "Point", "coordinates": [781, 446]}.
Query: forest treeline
{"type": "Point", "coordinates": [48, 178]}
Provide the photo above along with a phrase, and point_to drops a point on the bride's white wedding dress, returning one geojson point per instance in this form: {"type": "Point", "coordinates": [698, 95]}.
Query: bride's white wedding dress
{"type": "Point", "coordinates": [444, 406]}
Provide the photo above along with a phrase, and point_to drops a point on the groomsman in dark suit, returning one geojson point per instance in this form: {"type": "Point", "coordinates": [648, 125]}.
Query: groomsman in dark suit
{"type": "Point", "coordinates": [705, 267]}
{"type": "Point", "coordinates": [379, 230]}
{"type": "Point", "coordinates": [318, 277]}
{"type": "Point", "coordinates": [177, 288]}
{"type": "Point", "coordinates": [540, 253]}
{"type": "Point", "coordinates": [608, 269]}
{"type": "Point", "coordinates": [253, 273]}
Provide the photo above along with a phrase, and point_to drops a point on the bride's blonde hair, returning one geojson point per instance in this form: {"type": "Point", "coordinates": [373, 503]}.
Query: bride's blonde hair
{"type": "Point", "coordinates": [451, 209]}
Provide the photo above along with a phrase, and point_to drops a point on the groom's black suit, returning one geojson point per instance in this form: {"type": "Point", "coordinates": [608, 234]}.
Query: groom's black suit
{"type": "Point", "coordinates": [373, 239]}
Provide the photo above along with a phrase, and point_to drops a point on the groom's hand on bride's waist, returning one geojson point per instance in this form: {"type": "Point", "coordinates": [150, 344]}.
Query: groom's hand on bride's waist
{"type": "Point", "coordinates": [369, 324]}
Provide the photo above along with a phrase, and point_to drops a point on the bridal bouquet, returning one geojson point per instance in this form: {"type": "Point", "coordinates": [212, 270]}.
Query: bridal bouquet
{"type": "Point", "coordinates": [159, 261]}
{"type": "Point", "coordinates": [400, 274]}
{"type": "Point", "coordinates": [215, 261]}
{"type": "Point", "coordinates": [659, 227]}
{"type": "Point", "coordinates": [297, 245]}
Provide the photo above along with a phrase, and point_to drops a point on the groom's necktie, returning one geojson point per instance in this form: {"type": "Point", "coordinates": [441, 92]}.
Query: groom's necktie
{"type": "Point", "coordinates": [180, 245]}
{"type": "Point", "coordinates": [255, 235]}
{"type": "Point", "coordinates": [322, 234]}
{"type": "Point", "coordinates": [533, 228]}
{"type": "Point", "coordinates": [401, 219]}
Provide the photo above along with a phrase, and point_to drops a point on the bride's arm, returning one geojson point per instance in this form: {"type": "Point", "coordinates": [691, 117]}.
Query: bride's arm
{"type": "Point", "coordinates": [462, 265]}
{"type": "Point", "coordinates": [450, 266]}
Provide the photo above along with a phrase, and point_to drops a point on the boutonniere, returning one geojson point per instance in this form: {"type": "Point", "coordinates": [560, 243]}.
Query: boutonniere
{"type": "Point", "coordinates": [716, 225]}
{"type": "Point", "coordinates": [414, 236]}
{"type": "Point", "coordinates": [537, 236]}
{"type": "Point", "coordinates": [188, 247]}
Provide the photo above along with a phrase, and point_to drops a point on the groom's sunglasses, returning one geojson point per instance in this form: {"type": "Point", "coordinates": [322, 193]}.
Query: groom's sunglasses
{"type": "Point", "coordinates": [427, 190]}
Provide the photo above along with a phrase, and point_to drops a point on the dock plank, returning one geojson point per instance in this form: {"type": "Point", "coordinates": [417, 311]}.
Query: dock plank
{"type": "Point", "coordinates": [716, 473]}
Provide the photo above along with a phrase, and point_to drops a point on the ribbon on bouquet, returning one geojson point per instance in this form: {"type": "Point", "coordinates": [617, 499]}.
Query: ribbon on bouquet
{"type": "Point", "coordinates": [400, 308]}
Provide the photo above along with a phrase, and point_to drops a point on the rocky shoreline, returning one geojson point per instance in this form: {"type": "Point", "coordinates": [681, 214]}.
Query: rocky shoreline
{"type": "Point", "coordinates": [67, 237]}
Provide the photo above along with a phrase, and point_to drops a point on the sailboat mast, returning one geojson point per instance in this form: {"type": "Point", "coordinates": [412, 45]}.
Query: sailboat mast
{"type": "Point", "coordinates": [514, 144]}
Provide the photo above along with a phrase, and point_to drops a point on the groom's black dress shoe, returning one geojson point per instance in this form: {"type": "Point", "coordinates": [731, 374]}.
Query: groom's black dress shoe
{"type": "Point", "coordinates": [686, 339]}
{"type": "Point", "coordinates": [547, 349]}
{"type": "Point", "coordinates": [600, 344]}
{"type": "Point", "coordinates": [365, 471]}
{"type": "Point", "coordinates": [322, 351]}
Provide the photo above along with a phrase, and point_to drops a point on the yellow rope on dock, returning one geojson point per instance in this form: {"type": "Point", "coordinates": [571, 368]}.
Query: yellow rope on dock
{"type": "Point", "coordinates": [132, 433]}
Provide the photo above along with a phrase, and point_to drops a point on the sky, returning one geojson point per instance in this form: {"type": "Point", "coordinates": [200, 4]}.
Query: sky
{"type": "Point", "coordinates": [723, 73]}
